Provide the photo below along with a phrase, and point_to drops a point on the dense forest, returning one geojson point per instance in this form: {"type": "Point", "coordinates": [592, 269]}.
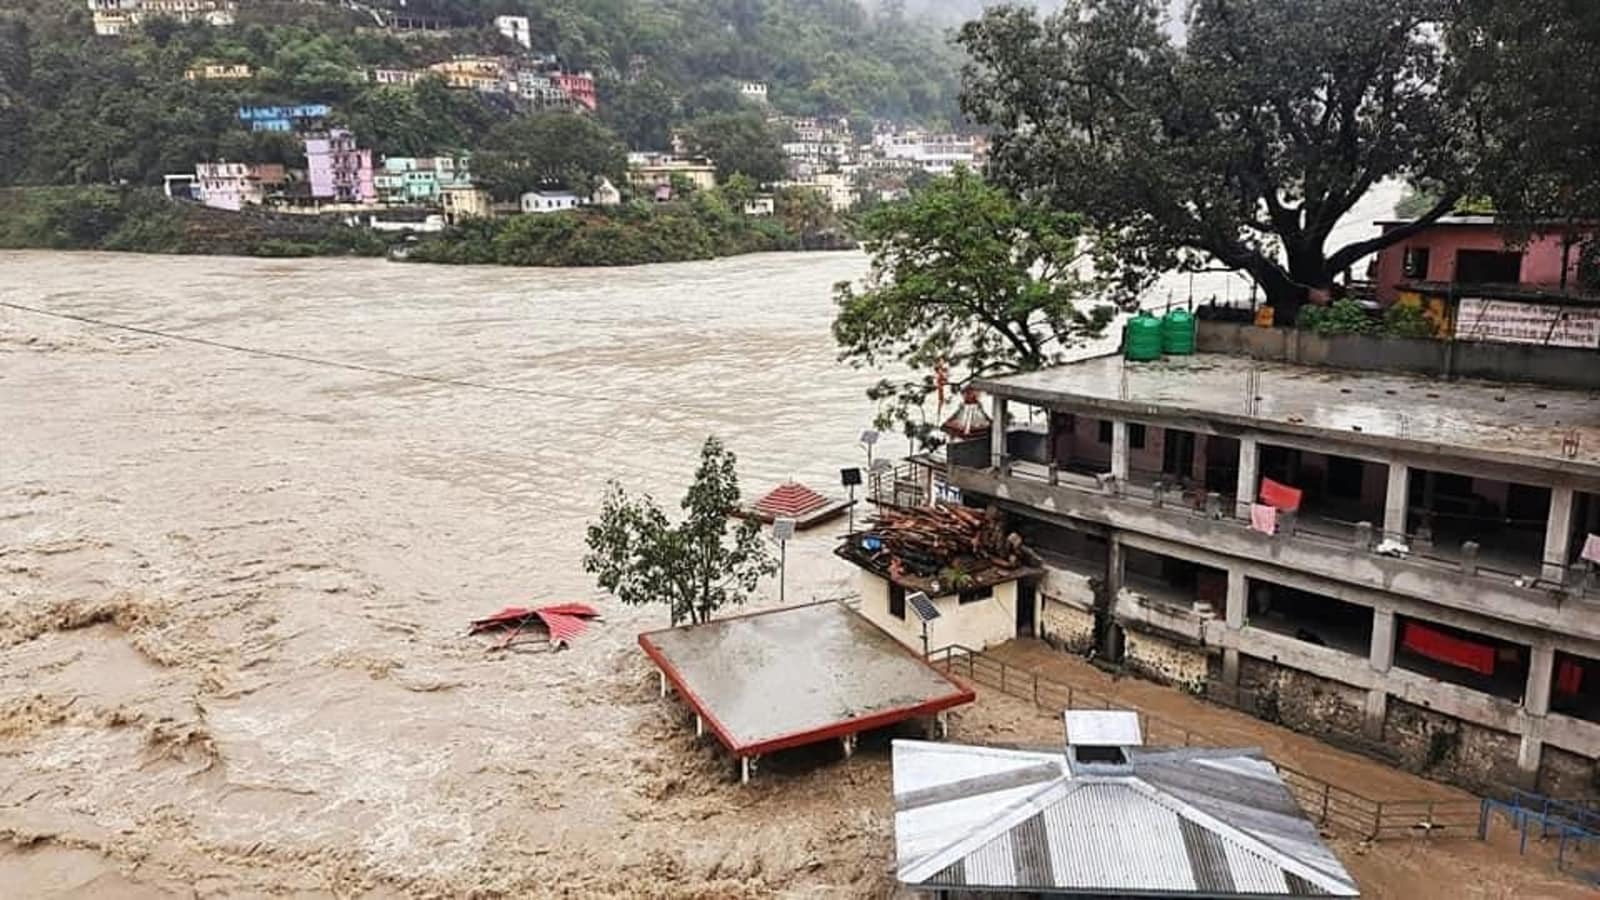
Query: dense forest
{"type": "Point", "coordinates": [81, 109]}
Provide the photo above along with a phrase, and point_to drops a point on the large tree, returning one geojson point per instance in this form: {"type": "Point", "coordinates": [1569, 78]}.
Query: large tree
{"type": "Point", "coordinates": [966, 282]}
{"type": "Point", "coordinates": [548, 150]}
{"type": "Point", "coordinates": [740, 144]}
{"type": "Point", "coordinates": [1244, 145]}
{"type": "Point", "coordinates": [697, 566]}
{"type": "Point", "coordinates": [1529, 75]}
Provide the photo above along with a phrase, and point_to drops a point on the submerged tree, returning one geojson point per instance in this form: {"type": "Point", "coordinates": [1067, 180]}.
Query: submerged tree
{"type": "Point", "coordinates": [697, 566]}
{"type": "Point", "coordinates": [966, 282]}
{"type": "Point", "coordinates": [1246, 144]}
{"type": "Point", "coordinates": [552, 149]}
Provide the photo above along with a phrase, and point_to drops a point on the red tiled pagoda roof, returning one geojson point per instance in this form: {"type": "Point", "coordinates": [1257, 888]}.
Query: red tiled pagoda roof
{"type": "Point", "coordinates": [791, 501]}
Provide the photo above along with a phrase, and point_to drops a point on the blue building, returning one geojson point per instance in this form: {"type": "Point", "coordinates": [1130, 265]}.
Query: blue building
{"type": "Point", "coordinates": [306, 117]}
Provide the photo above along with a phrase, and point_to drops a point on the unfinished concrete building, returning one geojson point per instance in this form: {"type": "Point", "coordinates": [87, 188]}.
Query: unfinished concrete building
{"type": "Point", "coordinates": [1427, 596]}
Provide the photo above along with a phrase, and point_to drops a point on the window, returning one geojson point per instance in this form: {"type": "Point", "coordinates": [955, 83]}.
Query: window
{"type": "Point", "coordinates": [897, 601]}
{"type": "Point", "coordinates": [1105, 432]}
{"type": "Point", "coordinates": [1345, 476]}
{"type": "Point", "coordinates": [1415, 263]}
{"type": "Point", "coordinates": [1488, 267]}
{"type": "Point", "coordinates": [1136, 436]}
{"type": "Point", "coordinates": [976, 595]}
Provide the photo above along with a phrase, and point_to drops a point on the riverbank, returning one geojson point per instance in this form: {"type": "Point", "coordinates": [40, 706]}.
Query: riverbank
{"type": "Point", "coordinates": [140, 220]}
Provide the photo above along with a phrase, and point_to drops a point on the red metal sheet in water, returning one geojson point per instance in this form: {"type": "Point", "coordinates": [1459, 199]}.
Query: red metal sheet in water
{"type": "Point", "coordinates": [563, 628]}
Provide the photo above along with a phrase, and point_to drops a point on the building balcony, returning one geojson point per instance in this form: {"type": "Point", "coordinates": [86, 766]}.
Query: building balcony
{"type": "Point", "coordinates": [1337, 552]}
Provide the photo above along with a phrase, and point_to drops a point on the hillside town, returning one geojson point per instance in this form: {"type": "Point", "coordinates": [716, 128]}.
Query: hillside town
{"type": "Point", "coordinates": [1171, 469]}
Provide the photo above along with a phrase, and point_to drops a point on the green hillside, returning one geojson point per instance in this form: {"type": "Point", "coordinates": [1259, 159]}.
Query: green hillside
{"type": "Point", "coordinates": [75, 108]}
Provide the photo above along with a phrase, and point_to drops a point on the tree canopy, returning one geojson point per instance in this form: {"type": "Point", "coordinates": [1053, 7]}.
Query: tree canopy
{"type": "Point", "coordinates": [696, 567]}
{"type": "Point", "coordinates": [969, 281]}
{"type": "Point", "coordinates": [546, 151]}
{"type": "Point", "coordinates": [1245, 145]}
{"type": "Point", "coordinates": [740, 144]}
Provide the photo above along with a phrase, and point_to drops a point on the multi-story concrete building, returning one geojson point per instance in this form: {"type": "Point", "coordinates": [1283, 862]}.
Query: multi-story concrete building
{"type": "Point", "coordinates": [580, 87]}
{"type": "Point", "coordinates": [233, 186]}
{"type": "Point", "coordinates": [936, 154]}
{"type": "Point", "coordinates": [1470, 251]}
{"type": "Point", "coordinates": [476, 73]}
{"type": "Point", "coordinates": [114, 17]}
{"type": "Point", "coordinates": [1431, 596]}
{"type": "Point", "coordinates": [339, 171]}
{"type": "Point", "coordinates": [405, 77]}
{"type": "Point", "coordinates": [516, 28]}
{"type": "Point", "coordinates": [648, 172]}
{"type": "Point", "coordinates": [541, 92]}
{"type": "Point", "coordinates": [219, 72]}
{"type": "Point", "coordinates": [410, 181]}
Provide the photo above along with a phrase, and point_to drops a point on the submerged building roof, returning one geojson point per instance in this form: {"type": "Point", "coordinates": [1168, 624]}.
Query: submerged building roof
{"type": "Point", "coordinates": [789, 677]}
{"type": "Point", "coordinates": [1190, 822]}
{"type": "Point", "coordinates": [1543, 427]}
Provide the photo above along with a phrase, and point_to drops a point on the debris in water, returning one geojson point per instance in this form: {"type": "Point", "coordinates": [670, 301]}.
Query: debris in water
{"type": "Point", "coordinates": [555, 625]}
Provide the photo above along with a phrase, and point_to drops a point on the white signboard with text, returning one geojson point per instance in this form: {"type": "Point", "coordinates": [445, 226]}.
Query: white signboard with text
{"type": "Point", "coordinates": [1506, 321]}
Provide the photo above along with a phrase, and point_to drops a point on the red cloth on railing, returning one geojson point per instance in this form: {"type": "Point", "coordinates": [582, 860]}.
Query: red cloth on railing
{"type": "Point", "coordinates": [1446, 649]}
{"type": "Point", "coordinates": [1280, 495]}
{"type": "Point", "coordinates": [1569, 677]}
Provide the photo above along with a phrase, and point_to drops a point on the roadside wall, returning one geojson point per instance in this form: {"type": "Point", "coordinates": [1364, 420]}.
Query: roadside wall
{"type": "Point", "coordinates": [1066, 609]}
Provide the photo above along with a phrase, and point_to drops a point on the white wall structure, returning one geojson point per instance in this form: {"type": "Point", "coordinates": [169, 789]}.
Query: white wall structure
{"type": "Point", "coordinates": [539, 202]}
{"type": "Point", "coordinates": [516, 28]}
{"type": "Point", "coordinates": [976, 625]}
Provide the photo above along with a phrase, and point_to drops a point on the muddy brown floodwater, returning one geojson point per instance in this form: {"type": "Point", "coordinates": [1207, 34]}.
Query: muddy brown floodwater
{"type": "Point", "coordinates": [233, 587]}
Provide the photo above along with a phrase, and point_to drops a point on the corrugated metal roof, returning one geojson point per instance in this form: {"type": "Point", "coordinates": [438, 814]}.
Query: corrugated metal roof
{"type": "Point", "coordinates": [1203, 822]}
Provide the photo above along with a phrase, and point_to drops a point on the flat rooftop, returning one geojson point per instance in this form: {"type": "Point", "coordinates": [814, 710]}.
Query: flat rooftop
{"type": "Point", "coordinates": [1523, 424]}
{"type": "Point", "coordinates": [774, 680]}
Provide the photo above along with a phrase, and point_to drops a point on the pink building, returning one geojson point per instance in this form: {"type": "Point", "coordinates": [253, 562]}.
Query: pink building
{"type": "Point", "coordinates": [580, 87]}
{"type": "Point", "coordinates": [339, 170]}
{"type": "Point", "coordinates": [1469, 250]}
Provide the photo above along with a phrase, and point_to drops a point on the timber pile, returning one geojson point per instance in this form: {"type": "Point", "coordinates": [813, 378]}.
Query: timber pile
{"type": "Point", "coordinates": [927, 540]}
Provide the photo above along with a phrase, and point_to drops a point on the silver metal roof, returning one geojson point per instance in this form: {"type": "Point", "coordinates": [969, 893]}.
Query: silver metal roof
{"type": "Point", "coordinates": [1203, 822]}
{"type": "Point", "coordinates": [1103, 728]}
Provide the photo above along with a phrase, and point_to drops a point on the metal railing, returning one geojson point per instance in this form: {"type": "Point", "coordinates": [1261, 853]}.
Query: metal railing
{"type": "Point", "coordinates": [1323, 802]}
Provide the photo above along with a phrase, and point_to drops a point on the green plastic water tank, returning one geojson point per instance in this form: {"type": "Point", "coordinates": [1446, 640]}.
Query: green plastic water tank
{"type": "Point", "coordinates": [1177, 333]}
{"type": "Point", "coordinates": [1143, 342]}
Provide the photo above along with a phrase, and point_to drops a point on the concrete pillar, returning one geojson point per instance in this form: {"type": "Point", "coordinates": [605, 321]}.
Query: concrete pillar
{"type": "Point", "coordinates": [1114, 567]}
{"type": "Point", "coordinates": [1119, 450]}
{"type": "Point", "coordinates": [1536, 697]}
{"type": "Point", "coordinates": [849, 743]}
{"type": "Point", "coordinates": [1249, 476]}
{"type": "Point", "coordinates": [1557, 536]}
{"type": "Point", "coordinates": [1381, 654]}
{"type": "Point", "coordinates": [1238, 600]}
{"type": "Point", "coordinates": [1395, 502]}
{"type": "Point", "coordinates": [997, 434]}
{"type": "Point", "coordinates": [1535, 705]}
{"type": "Point", "coordinates": [699, 726]}
{"type": "Point", "coordinates": [1377, 710]}
{"type": "Point", "coordinates": [663, 677]}
{"type": "Point", "coordinates": [1230, 667]}
{"type": "Point", "coordinates": [744, 770]}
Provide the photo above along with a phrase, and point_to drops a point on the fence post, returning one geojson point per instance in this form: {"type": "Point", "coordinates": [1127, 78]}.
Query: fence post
{"type": "Point", "coordinates": [1036, 689]}
{"type": "Point", "coordinates": [1325, 788]}
{"type": "Point", "coordinates": [1069, 696]}
{"type": "Point", "coordinates": [1003, 668]}
{"type": "Point", "coordinates": [1377, 821]}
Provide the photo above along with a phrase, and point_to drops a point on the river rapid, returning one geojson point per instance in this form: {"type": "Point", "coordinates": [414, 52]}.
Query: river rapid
{"type": "Point", "coordinates": [233, 587]}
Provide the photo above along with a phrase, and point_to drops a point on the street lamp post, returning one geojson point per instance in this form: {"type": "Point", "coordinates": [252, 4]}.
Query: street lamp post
{"type": "Point", "coordinates": [782, 531]}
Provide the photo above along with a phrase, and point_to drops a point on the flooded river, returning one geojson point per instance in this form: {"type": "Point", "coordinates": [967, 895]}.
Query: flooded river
{"type": "Point", "coordinates": [275, 562]}
{"type": "Point", "coordinates": [233, 586]}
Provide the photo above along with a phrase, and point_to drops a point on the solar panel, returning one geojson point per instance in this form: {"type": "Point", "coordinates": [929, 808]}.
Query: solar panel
{"type": "Point", "coordinates": [924, 607]}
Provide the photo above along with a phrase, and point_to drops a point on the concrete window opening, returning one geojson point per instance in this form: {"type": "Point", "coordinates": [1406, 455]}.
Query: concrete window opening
{"type": "Point", "coordinates": [1585, 521]}
{"type": "Point", "coordinates": [1337, 491]}
{"type": "Point", "coordinates": [977, 595]}
{"type": "Point", "coordinates": [1575, 686]}
{"type": "Point", "coordinates": [1314, 618]}
{"type": "Point", "coordinates": [897, 601]}
{"type": "Point", "coordinates": [1080, 444]}
{"type": "Point", "coordinates": [1471, 659]}
{"type": "Point", "coordinates": [1506, 521]}
{"type": "Point", "coordinates": [1174, 582]}
{"type": "Point", "coordinates": [1065, 548]}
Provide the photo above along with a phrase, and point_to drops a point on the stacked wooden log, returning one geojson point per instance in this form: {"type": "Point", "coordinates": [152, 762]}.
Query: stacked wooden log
{"type": "Point", "coordinates": [927, 540]}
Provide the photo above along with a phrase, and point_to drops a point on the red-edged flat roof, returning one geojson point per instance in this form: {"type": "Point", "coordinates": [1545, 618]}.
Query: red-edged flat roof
{"type": "Point", "coordinates": [773, 680]}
